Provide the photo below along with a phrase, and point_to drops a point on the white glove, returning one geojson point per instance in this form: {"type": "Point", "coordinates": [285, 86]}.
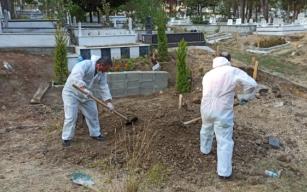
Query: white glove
{"type": "Point", "coordinates": [87, 92]}
{"type": "Point", "coordinates": [110, 106]}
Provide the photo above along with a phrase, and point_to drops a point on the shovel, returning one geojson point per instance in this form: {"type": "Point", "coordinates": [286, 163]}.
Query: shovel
{"type": "Point", "coordinates": [129, 120]}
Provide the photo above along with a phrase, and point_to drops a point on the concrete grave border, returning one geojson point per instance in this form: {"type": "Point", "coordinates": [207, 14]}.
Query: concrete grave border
{"type": "Point", "coordinates": [267, 50]}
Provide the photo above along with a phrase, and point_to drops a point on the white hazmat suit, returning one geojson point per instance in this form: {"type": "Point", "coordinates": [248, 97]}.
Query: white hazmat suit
{"type": "Point", "coordinates": [217, 110]}
{"type": "Point", "coordinates": [84, 74]}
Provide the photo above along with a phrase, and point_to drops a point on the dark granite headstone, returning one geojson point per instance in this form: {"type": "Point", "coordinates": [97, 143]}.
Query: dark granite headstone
{"type": "Point", "coordinates": [148, 25]}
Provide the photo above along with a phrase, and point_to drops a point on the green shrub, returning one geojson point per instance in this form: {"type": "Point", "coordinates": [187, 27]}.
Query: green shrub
{"type": "Point", "coordinates": [60, 65]}
{"type": "Point", "coordinates": [78, 12]}
{"type": "Point", "coordinates": [130, 65]}
{"type": "Point", "coordinates": [182, 71]}
{"type": "Point", "coordinates": [197, 19]}
{"type": "Point", "coordinates": [270, 42]}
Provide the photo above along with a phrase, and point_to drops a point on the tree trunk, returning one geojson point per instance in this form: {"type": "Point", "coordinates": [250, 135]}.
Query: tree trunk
{"type": "Point", "coordinates": [249, 13]}
{"type": "Point", "coordinates": [98, 17]}
{"type": "Point", "coordinates": [91, 17]}
{"type": "Point", "coordinates": [242, 10]}
{"type": "Point", "coordinates": [235, 9]}
{"type": "Point", "coordinates": [265, 9]}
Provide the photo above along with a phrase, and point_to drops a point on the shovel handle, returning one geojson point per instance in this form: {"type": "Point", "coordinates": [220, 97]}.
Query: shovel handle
{"type": "Point", "coordinates": [192, 121]}
{"type": "Point", "coordinates": [100, 102]}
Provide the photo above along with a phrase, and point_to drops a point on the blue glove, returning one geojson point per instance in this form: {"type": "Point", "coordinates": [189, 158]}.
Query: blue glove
{"type": "Point", "coordinates": [242, 101]}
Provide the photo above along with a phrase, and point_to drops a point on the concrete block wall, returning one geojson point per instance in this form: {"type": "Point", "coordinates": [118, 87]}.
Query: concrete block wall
{"type": "Point", "coordinates": [132, 83]}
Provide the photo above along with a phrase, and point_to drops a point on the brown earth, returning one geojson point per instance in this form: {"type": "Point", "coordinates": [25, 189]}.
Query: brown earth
{"type": "Point", "coordinates": [33, 159]}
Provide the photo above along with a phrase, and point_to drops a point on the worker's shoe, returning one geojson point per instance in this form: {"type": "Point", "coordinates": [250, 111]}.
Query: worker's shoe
{"type": "Point", "coordinates": [66, 143]}
{"type": "Point", "coordinates": [99, 138]}
{"type": "Point", "coordinates": [224, 178]}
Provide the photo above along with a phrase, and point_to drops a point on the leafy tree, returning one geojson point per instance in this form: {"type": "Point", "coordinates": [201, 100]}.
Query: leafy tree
{"type": "Point", "coordinates": [60, 65]}
{"type": "Point", "coordinates": [182, 71]}
{"type": "Point", "coordinates": [144, 8]}
{"type": "Point", "coordinates": [76, 11]}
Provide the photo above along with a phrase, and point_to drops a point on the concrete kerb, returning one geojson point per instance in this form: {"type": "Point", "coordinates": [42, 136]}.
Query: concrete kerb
{"type": "Point", "coordinates": [267, 50]}
{"type": "Point", "coordinates": [134, 83]}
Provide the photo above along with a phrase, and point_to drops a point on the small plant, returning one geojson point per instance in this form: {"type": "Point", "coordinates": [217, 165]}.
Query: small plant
{"type": "Point", "coordinates": [197, 19]}
{"type": "Point", "coordinates": [182, 71]}
{"type": "Point", "coordinates": [133, 183]}
{"type": "Point", "coordinates": [60, 65]}
{"type": "Point", "coordinates": [156, 175]}
{"type": "Point", "coordinates": [129, 65]}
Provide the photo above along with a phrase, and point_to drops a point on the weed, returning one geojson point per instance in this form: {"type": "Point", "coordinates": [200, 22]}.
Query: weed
{"type": "Point", "coordinates": [132, 183]}
{"type": "Point", "coordinates": [156, 175]}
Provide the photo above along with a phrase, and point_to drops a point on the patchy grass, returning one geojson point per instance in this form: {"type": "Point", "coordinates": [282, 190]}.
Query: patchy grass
{"type": "Point", "coordinates": [156, 175]}
{"type": "Point", "coordinates": [132, 183]}
{"type": "Point", "coordinates": [272, 63]}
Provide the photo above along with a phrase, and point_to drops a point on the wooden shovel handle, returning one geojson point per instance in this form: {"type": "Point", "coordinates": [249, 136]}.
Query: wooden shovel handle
{"type": "Point", "coordinates": [100, 102]}
{"type": "Point", "coordinates": [192, 121]}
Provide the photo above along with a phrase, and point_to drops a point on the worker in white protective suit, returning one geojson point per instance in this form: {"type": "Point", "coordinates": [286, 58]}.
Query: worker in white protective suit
{"type": "Point", "coordinates": [90, 76]}
{"type": "Point", "coordinates": [217, 110]}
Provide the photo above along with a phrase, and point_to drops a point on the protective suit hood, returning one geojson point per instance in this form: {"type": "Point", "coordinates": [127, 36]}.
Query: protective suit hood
{"type": "Point", "coordinates": [94, 58]}
{"type": "Point", "coordinates": [220, 61]}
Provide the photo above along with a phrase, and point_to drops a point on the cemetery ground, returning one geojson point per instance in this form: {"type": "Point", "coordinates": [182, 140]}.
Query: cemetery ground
{"type": "Point", "coordinates": [157, 153]}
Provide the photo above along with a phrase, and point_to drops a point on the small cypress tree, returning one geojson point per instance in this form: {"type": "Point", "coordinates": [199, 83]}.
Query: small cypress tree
{"type": "Point", "coordinates": [162, 38]}
{"type": "Point", "coordinates": [182, 71]}
{"type": "Point", "coordinates": [60, 65]}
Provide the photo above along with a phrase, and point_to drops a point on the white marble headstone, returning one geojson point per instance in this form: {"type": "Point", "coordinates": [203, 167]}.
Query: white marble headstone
{"type": "Point", "coordinates": [263, 22]}
{"type": "Point", "coordinates": [229, 22]}
{"type": "Point", "coordinates": [130, 24]}
{"type": "Point", "coordinates": [1, 13]}
{"type": "Point", "coordinates": [74, 20]}
{"type": "Point", "coordinates": [238, 21]}
{"type": "Point", "coordinates": [79, 29]}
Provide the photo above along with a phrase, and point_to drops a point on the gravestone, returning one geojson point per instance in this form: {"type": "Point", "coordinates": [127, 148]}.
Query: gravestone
{"type": "Point", "coordinates": [114, 23]}
{"type": "Point", "coordinates": [212, 20]}
{"type": "Point", "coordinates": [79, 30]}
{"type": "Point", "coordinates": [130, 24]}
{"type": "Point", "coordinates": [148, 25]}
{"type": "Point", "coordinates": [238, 21]}
{"type": "Point", "coordinates": [67, 19]}
{"type": "Point", "coordinates": [263, 22]}
{"type": "Point", "coordinates": [1, 13]}
{"type": "Point", "coordinates": [74, 19]}
{"type": "Point", "coordinates": [278, 21]}
{"type": "Point", "coordinates": [5, 18]}
{"type": "Point", "coordinates": [229, 22]}
{"type": "Point", "coordinates": [301, 20]}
